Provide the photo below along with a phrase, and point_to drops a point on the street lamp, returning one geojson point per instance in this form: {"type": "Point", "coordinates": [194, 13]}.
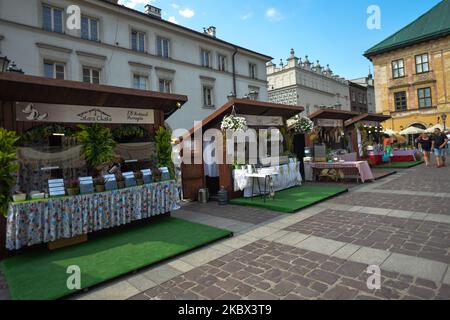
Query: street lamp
{"type": "Point", "coordinates": [444, 119]}
{"type": "Point", "coordinates": [14, 68]}
{"type": "Point", "coordinates": [4, 63]}
{"type": "Point", "coordinates": [253, 95]}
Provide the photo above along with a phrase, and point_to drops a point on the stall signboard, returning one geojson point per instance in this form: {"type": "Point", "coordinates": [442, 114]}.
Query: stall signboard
{"type": "Point", "coordinates": [329, 123]}
{"type": "Point", "coordinates": [263, 121]}
{"type": "Point", "coordinates": [147, 174]}
{"type": "Point", "coordinates": [371, 123]}
{"type": "Point", "coordinates": [45, 112]}
{"type": "Point", "coordinates": [86, 185]}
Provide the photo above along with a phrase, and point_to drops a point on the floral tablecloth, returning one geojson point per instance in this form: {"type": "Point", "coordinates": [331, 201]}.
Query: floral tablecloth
{"type": "Point", "coordinates": [363, 168]}
{"type": "Point", "coordinates": [36, 222]}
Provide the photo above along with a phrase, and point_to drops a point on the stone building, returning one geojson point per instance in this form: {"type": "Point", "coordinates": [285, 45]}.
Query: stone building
{"type": "Point", "coordinates": [308, 84]}
{"type": "Point", "coordinates": [368, 84]}
{"type": "Point", "coordinates": [412, 71]}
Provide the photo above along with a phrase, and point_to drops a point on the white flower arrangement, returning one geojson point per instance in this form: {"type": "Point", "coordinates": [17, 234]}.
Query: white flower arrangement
{"type": "Point", "coordinates": [233, 123]}
{"type": "Point", "coordinates": [303, 124]}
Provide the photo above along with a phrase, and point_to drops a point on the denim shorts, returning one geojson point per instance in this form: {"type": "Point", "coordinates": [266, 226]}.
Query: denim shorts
{"type": "Point", "coordinates": [440, 152]}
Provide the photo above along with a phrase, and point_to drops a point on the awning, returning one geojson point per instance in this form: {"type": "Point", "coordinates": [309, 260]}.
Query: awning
{"type": "Point", "coordinates": [334, 114]}
{"type": "Point", "coordinates": [373, 117]}
{"type": "Point", "coordinates": [250, 107]}
{"type": "Point", "coordinates": [438, 126]}
{"type": "Point", "coordinates": [19, 87]}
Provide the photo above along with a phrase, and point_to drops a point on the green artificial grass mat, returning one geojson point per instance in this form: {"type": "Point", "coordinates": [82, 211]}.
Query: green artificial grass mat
{"type": "Point", "coordinates": [399, 165]}
{"type": "Point", "coordinates": [292, 200]}
{"type": "Point", "coordinates": [42, 275]}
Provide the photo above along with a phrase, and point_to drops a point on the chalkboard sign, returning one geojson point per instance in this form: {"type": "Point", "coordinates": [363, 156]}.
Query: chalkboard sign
{"type": "Point", "coordinates": [164, 174]}
{"type": "Point", "coordinates": [56, 188]}
{"type": "Point", "coordinates": [147, 174]}
{"type": "Point", "coordinates": [110, 182]}
{"type": "Point", "coordinates": [86, 185]}
{"type": "Point", "coordinates": [320, 153]}
{"type": "Point", "coordinates": [130, 180]}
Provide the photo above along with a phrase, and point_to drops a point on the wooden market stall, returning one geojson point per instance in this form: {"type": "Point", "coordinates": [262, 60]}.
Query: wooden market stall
{"type": "Point", "coordinates": [45, 113]}
{"type": "Point", "coordinates": [259, 115]}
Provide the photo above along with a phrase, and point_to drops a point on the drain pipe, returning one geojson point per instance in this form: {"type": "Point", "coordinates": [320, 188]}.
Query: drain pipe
{"type": "Point", "coordinates": [233, 59]}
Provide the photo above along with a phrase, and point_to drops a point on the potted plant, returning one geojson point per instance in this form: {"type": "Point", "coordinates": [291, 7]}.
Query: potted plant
{"type": "Point", "coordinates": [233, 123]}
{"type": "Point", "coordinates": [97, 145]}
{"type": "Point", "coordinates": [120, 181]}
{"type": "Point", "coordinates": [164, 150]}
{"type": "Point", "coordinates": [72, 187]}
{"type": "Point", "coordinates": [139, 178]}
{"type": "Point", "coordinates": [99, 184]}
{"type": "Point", "coordinates": [8, 167]}
{"type": "Point", "coordinates": [303, 125]}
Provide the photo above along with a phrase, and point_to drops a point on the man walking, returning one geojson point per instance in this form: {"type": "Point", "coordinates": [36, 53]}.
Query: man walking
{"type": "Point", "coordinates": [439, 146]}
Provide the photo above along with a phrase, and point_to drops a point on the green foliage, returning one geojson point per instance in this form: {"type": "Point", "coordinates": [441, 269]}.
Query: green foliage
{"type": "Point", "coordinates": [164, 150]}
{"type": "Point", "coordinates": [97, 144]}
{"type": "Point", "coordinates": [8, 167]}
{"type": "Point", "coordinates": [131, 133]}
{"type": "Point", "coordinates": [39, 135]}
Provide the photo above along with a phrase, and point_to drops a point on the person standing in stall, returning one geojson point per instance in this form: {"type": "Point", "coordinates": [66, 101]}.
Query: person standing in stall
{"type": "Point", "coordinates": [425, 144]}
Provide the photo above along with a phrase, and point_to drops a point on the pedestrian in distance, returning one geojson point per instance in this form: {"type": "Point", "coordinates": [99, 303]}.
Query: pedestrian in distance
{"type": "Point", "coordinates": [439, 146]}
{"type": "Point", "coordinates": [425, 143]}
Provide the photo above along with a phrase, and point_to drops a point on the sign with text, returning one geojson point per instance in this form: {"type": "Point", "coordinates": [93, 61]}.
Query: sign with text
{"type": "Point", "coordinates": [263, 121]}
{"type": "Point", "coordinates": [45, 112]}
{"type": "Point", "coordinates": [329, 123]}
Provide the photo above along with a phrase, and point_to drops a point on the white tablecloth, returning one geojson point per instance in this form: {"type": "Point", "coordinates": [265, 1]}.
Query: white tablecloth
{"type": "Point", "coordinates": [288, 176]}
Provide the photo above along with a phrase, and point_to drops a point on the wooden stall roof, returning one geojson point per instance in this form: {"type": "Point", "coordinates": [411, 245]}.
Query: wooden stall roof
{"type": "Point", "coordinates": [249, 107]}
{"type": "Point", "coordinates": [334, 114]}
{"type": "Point", "coordinates": [19, 87]}
{"type": "Point", "coordinates": [376, 117]}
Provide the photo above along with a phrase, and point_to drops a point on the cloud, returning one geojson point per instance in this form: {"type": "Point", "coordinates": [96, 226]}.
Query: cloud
{"type": "Point", "coordinates": [172, 19]}
{"type": "Point", "coordinates": [187, 13]}
{"type": "Point", "coordinates": [175, 6]}
{"type": "Point", "coordinates": [247, 16]}
{"type": "Point", "coordinates": [273, 14]}
{"type": "Point", "coordinates": [134, 3]}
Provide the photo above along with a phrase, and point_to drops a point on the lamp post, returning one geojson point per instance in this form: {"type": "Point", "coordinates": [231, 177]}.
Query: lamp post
{"type": "Point", "coordinates": [4, 63]}
{"type": "Point", "coordinates": [444, 119]}
{"type": "Point", "coordinates": [14, 68]}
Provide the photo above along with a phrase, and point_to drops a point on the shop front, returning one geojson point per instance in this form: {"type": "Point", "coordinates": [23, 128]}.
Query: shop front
{"type": "Point", "coordinates": [86, 159]}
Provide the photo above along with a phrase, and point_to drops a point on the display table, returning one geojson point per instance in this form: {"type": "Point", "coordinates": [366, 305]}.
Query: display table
{"type": "Point", "coordinates": [398, 156]}
{"type": "Point", "coordinates": [43, 221]}
{"type": "Point", "coordinates": [361, 167]}
{"type": "Point", "coordinates": [283, 177]}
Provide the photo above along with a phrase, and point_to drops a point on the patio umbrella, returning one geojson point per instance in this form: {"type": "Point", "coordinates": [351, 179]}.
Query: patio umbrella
{"type": "Point", "coordinates": [411, 131]}
{"type": "Point", "coordinates": [390, 132]}
{"type": "Point", "coordinates": [438, 126]}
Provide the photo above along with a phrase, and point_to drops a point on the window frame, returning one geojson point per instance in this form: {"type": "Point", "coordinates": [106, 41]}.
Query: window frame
{"type": "Point", "coordinates": [203, 52]}
{"type": "Point", "coordinates": [400, 101]}
{"type": "Point", "coordinates": [140, 77]}
{"type": "Point", "coordinates": [205, 97]}
{"type": "Point", "coordinates": [253, 70]}
{"type": "Point", "coordinates": [166, 83]}
{"type": "Point", "coordinates": [52, 18]}
{"type": "Point", "coordinates": [222, 67]}
{"type": "Point", "coordinates": [138, 33]}
{"type": "Point", "coordinates": [54, 65]}
{"type": "Point", "coordinates": [425, 98]}
{"type": "Point", "coordinates": [421, 64]}
{"type": "Point", "coordinates": [398, 68]}
{"type": "Point", "coordinates": [91, 74]}
{"type": "Point", "coordinates": [90, 19]}
{"type": "Point", "coordinates": [159, 45]}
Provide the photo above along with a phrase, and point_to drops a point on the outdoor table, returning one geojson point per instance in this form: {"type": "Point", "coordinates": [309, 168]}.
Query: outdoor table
{"type": "Point", "coordinates": [267, 178]}
{"type": "Point", "coordinates": [363, 168]}
{"type": "Point", "coordinates": [288, 176]}
{"type": "Point", "coordinates": [48, 220]}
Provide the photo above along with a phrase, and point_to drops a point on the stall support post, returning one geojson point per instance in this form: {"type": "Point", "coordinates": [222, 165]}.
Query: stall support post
{"type": "Point", "coordinates": [299, 150]}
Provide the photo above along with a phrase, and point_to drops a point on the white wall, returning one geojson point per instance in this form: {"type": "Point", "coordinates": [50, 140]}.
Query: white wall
{"type": "Point", "coordinates": [21, 26]}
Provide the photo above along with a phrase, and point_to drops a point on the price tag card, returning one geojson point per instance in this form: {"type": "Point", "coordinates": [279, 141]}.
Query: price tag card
{"type": "Point", "coordinates": [86, 185]}
{"type": "Point", "coordinates": [110, 182]}
{"type": "Point", "coordinates": [147, 174]}
{"type": "Point", "coordinates": [130, 180]}
{"type": "Point", "coordinates": [164, 174]}
{"type": "Point", "coordinates": [56, 187]}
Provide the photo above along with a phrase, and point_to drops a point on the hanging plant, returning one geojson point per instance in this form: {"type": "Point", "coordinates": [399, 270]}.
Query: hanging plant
{"type": "Point", "coordinates": [303, 124]}
{"type": "Point", "coordinates": [234, 123]}
{"type": "Point", "coordinates": [8, 167]}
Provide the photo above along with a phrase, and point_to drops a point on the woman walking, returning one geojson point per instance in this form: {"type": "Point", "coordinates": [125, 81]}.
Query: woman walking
{"type": "Point", "coordinates": [439, 145]}
{"type": "Point", "coordinates": [425, 144]}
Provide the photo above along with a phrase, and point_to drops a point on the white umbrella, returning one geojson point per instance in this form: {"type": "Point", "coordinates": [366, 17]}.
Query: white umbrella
{"type": "Point", "coordinates": [438, 126]}
{"type": "Point", "coordinates": [390, 132]}
{"type": "Point", "coordinates": [411, 130]}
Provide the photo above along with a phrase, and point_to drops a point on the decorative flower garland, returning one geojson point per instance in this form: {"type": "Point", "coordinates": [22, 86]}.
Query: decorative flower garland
{"type": "Point", "coordinates": [303, 124]}
{"type": "Point", "coordinates": [233, 123]}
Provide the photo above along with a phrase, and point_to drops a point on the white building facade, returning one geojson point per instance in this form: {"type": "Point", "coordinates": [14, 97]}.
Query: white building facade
{"type": "Point", "coordinates": [122, 47]}
{"type": "Point", "coordinates": [307, 84]}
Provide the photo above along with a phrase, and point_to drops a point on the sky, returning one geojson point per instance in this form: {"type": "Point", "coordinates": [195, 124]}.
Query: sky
{"type": "Point", "coordinates": [334, 32]}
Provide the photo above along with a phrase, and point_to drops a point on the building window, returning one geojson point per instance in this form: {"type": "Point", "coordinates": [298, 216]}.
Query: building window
{"type": "Point", "coordinates": [252, 71]}
{"type": "Point", "coordinates": [353, 97]}
{"type": "Point", "coordinates": [165, 86]}
{"type": "Point", "coordinates": [52, 19]}
{"type": "Point", "coordinates": [208, 99]}
{"type": "Point", "coordinates": [54, 70]}
{"type": "Point", "coordinates": [222, 62]}
{"type": "Point", "coordinates": [206, 58]}
{"type": "Point", "coordinates": [398, 68]}
{"type": "Point", "coordinates": [425, 100]}
{"type": "Point", "coordinates": [422, 63]}
{"type": "Point", "coordinates": [162, 47]}
{"type": "Point", "coordinates": [138, 41]}
{"type": "Point", "coordinates": [91, 75]}
{"type": "Point", "coordinates": [400, 101]}
{"type": "Point", "coordinates": [140, 82]}
{"type": "Point", "coordinates": [89, 28]}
